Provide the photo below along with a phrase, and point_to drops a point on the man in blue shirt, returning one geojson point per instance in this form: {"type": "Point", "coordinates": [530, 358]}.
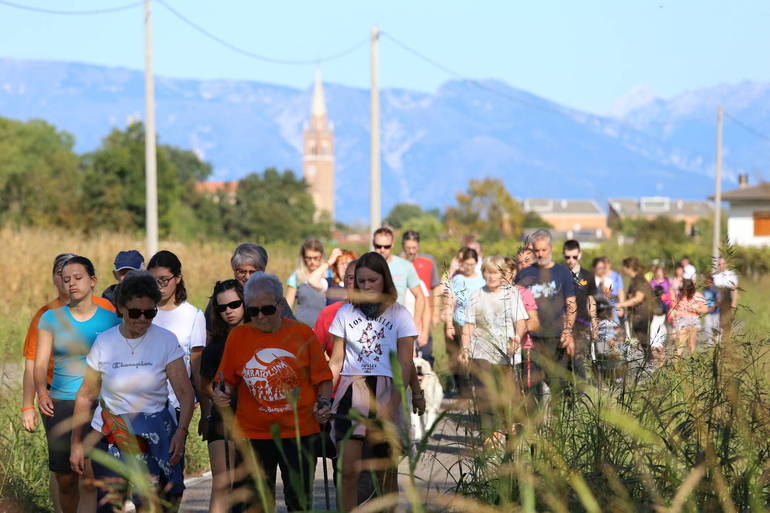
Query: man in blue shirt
{"type": "Point", "coordinates": [403, 272]}
{"type": "Point", "coordinates": [553, 288]}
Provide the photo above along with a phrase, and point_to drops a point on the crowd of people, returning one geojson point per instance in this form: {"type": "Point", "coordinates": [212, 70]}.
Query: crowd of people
{"type": "Point", "coordinates": [286, 373]}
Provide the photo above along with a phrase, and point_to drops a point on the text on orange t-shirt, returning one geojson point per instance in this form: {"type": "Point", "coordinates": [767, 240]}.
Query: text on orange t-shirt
{"type": "Point", "coordinates": [266, 368]}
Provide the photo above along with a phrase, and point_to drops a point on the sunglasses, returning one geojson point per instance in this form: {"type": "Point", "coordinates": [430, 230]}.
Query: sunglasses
{"type": "Point", "coordinates": [266, 310]}
{"type": "Point", "coordinates": [232, 305]}
{"type": "Point", "coordinates": [570, 257]}
{"type": "Point", "coordinates": [135, 313]}
{"type": "Point", "coordinates": [383, 246]}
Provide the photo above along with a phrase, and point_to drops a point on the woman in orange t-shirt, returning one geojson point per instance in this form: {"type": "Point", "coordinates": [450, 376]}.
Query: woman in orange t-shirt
{"type": "Point", "coordinates": [283, 384]}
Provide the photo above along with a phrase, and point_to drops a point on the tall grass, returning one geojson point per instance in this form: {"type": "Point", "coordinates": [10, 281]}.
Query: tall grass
{"type": "Point", "coordinates": [694, 436]}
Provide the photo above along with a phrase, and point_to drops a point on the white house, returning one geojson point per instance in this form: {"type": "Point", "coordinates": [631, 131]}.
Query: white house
{"type": "Point", "coordinates": [748, 220]}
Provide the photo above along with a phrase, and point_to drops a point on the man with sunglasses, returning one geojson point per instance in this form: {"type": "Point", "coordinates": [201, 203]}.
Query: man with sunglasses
{"type": "Point", "coordinates": [585, 299]}
{"type": "Point", "coordinates": [404, 275]}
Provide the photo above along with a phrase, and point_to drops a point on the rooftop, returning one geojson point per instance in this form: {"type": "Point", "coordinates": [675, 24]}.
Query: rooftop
{"type": "Point", "coordinates": [755, 192]}
{"type": "Point", "coordinates": [545, 206]}
{"type": "Point", "coordinates": [659, 205]}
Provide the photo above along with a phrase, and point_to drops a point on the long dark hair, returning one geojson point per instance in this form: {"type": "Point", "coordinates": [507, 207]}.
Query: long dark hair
{"type": "Point", "coordinates": [219, 328]}
{"type": "Point", "coordinates": [377, 263]}
{"type": "Point", "coordinates": [170, 261]}
{"type": "Point", "coordinates": [688, 288]}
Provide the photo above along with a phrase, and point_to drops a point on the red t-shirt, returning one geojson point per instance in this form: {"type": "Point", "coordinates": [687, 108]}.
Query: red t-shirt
{"type": "Point", "coordinates": [424, 268]}
{"type": "Point", "coordinates": [265, 368]}
{"type": "Point", "coordinates": [322, 325]}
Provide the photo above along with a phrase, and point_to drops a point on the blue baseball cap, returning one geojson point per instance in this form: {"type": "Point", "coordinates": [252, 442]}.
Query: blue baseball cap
{"type": "Point", "coordinates": [130, 259]}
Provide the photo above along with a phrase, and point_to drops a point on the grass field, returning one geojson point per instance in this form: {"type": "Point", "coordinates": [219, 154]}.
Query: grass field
{"type": "Point", "coordinates": [693, 439]}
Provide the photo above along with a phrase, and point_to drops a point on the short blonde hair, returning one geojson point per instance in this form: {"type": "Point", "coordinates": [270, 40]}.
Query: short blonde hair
{"type": "Point", "coordinates": [494, 263]}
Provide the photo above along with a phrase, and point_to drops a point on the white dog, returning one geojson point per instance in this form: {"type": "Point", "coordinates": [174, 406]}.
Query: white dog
{"type": "Point", "coordinates": [434, 393]}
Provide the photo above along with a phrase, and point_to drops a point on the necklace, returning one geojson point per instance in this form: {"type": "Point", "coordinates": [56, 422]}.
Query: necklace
{"type": "Point", "coordinates": [133, 347]}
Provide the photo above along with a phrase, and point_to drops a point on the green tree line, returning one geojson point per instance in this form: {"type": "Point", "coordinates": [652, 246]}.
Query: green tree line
{"type": "Point", "coordinates": [44, 183]}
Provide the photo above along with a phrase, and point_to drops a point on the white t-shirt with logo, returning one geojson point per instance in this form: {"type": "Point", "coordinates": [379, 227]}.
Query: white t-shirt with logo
{"type": "Point", "coordinates": [133, 382]}
{"type": "Point", "coordinates": [369, 342]}
{"type": "Point", "coordinates": [189, 325]}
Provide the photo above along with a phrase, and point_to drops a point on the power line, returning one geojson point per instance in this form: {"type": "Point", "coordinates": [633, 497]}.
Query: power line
{"type": "Point", "coordinates": [748, 128]}
{"type": "Point", "coordinates": [257, 56]}
{"type": "Point", "coordinates": [82, 12]}
{"type": "Point", "coordinates": [477, 83]}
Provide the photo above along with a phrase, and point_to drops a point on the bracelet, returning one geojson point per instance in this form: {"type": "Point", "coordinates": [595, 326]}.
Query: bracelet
{"type": "Point", "coordinates": [44, 396]}
{"type": "Point", "coordinates": [27, 408]}
{"type": "Point", "coordinates": [182, 428]}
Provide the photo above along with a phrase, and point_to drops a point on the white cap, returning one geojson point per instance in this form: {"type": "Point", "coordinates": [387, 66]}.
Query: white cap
{"type": "Point", "coordinates": [689, 272]}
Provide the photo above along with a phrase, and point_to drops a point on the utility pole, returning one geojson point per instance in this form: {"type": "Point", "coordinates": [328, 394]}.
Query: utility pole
{"type": "Point", "coordinates": [375, 213]}
{"type": "Point", "coordinates": [150, 162]}
{"type": "Point", "coordinates": [718, 191]}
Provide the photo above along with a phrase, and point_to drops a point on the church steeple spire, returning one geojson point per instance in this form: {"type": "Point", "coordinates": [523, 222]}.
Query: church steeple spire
{"type": "Point", "coordinates": [319, 104]}
{"type": "Point", "coordinates": [318, 158]}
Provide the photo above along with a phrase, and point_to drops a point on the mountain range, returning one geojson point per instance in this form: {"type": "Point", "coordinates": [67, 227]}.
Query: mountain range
{"type": "Point", "coordinates": [432, 143]}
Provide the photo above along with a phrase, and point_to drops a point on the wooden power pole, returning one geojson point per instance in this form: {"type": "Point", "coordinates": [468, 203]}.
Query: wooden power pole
{"type": "Point", "coordinates": [150, 162]}
{"type": "Point", "coordinates": [375, 214]}
{"type": "Point", "coordinates": [718, 191]}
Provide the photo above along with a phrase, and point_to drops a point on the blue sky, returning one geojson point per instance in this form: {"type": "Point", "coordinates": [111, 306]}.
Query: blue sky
{"type": "Point", "coordinates": [584, 54]}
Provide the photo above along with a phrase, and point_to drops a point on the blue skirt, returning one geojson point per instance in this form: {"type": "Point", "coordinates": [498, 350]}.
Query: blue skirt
{"type": "Point", "coordinates": [156, 429]}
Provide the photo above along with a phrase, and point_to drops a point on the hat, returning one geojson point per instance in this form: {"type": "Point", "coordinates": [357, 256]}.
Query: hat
{"type": "Point", "coordinates": [689, 272]}
{"type": "Point", "coordinates": [130, 259]}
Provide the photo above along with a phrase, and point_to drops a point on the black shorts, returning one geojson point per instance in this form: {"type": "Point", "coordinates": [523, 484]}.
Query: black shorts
{"type": "Point", "coordinates": [58, 436]}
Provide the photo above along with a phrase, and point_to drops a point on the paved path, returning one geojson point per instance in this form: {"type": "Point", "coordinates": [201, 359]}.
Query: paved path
{"type": "Point", "coordinates": [437, 471]}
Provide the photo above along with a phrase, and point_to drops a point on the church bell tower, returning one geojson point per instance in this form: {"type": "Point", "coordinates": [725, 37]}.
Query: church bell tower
{"type": "Point", "coordinates": [318, 153]}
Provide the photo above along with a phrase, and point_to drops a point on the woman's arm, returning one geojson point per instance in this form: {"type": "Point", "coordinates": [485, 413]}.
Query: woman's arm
{"type": "Point", "coordinates": [180, 383]}
{"type": "Point", "coordinates": [42, 357]}
{"type": "Point", "coordinates": [405, 347]}
{"type": "Point", "coordinates": [533, 323]}
{"type": "Point", "coordinates": [28, 414]}
{"type": "Point", "coordinates": [317, 279]}
{"type": "Point", "coordinates": [521, 328]}
{"type": "Point", "coordinates": [195, 370]}
{"type": "Point", "coordinates": [87, 394]}
{"type": "Point", "coordinates": [465, 342]}
{"type": "Point", "coordinates": [337, 358]}
{"type": "Point", "coordinates": [290, 296]}
{"type": "Point", "coordinates": [637, 299]}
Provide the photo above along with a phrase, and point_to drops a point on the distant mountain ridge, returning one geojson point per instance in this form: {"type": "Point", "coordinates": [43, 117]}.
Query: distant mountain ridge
{"type": "Point", "coordinates": [432, 144]}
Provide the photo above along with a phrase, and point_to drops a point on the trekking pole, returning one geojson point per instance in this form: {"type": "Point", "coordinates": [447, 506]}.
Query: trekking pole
{"type": "Point", "coordinates": [326, 472]}
{"type": "Point", "coordinates": [224, 435]}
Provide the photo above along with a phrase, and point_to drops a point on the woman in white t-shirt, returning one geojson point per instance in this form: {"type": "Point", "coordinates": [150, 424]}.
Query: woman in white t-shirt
{"type": "Point", "coordinates": [366, 332]}
{"type": "Point", "coordinates": [495, 322]}
{"type": "Point", "coordinates": [128, 369]}
{"type": "Point", "coordinates": [178, 316]}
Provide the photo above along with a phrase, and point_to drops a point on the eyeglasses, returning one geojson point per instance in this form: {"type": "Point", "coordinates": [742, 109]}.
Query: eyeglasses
{"type": "Point", "coordinates": [383, 246]}
{"type": "Point", "coordinates": [163, 280]}
{"type": "Point", "coordinates": [232, 305]}
{"type": "Point", "coordinates": [570, 257]}
{"type": "Point", "coordinates": [135, 313]}
{"type": "Point", "coordinates": [242, 273]}
{"type": "Point", "coordinates": [266, 310]}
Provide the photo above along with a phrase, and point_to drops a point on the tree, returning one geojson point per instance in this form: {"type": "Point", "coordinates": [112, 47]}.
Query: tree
{"type": "Point", "coordinates": [38, 174]}
{"type": "Point", "coordinates": [114, 181]}
{"type": "Point", "coordinates": [533, 220]}
{"type": "Point", "coordinates": [401, 212]}
{"type": "Point", "coordinates": [487, 210]}
{"type": "Point", "coordinates": [272, 206]}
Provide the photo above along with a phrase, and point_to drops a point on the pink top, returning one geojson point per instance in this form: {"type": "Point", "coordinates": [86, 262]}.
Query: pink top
{"type": "Point", "coordinates": [690, 307]}
{"type": "Point", "coordinates": [529, 304]}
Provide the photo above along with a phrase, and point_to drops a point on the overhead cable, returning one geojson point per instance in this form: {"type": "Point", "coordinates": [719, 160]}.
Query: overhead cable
{"type": "Point", "coordinates": [77, 12]}
{"type": "Point", "coordinates": [258, 56]}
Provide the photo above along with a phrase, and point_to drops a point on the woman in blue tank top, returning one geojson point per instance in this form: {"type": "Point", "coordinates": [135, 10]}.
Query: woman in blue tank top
{"type": "Point", "coordinates": [67, 333]}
